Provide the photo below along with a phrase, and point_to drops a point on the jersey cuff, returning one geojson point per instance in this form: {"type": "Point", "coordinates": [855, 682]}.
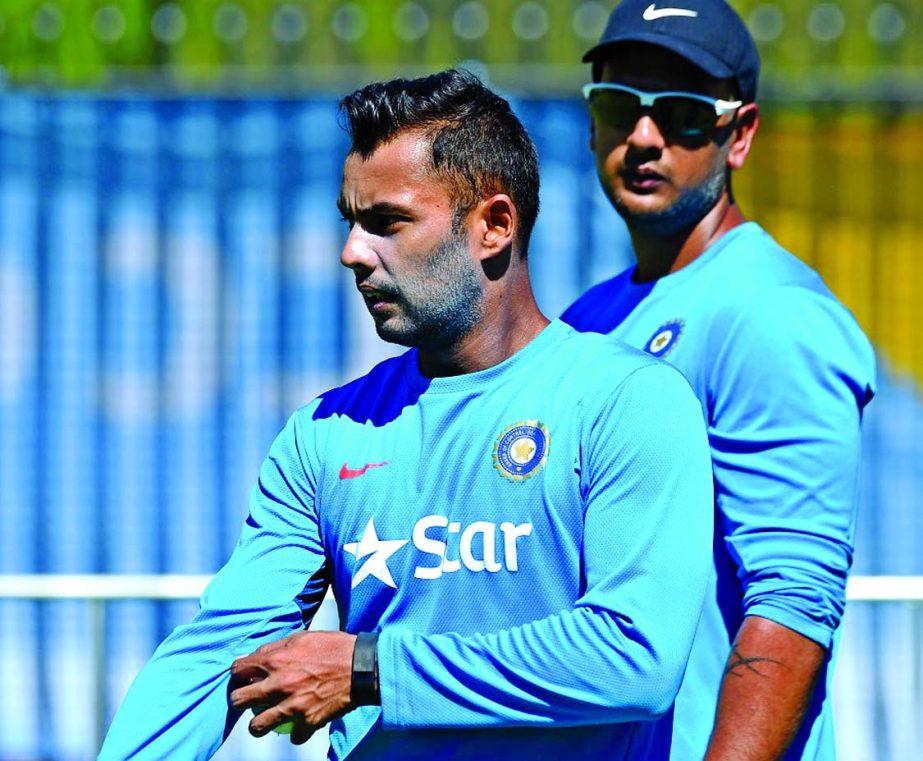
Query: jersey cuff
{"type": "Point", "coordinates": [819, 633]}
{"type": "Point", "coordinates": [389, 693]}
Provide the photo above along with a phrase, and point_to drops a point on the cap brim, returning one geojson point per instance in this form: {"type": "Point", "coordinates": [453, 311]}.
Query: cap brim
{"type": "Point", "coordinates": [709, 63]}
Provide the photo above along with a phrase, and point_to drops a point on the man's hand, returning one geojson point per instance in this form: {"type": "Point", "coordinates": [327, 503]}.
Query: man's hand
{"type": "Point", "coordinates": [767, 687]}
{"type": "Point", "coordinates": [304, 678]}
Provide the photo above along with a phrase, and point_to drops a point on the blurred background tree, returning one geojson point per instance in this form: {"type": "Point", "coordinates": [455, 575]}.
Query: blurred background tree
{"type": "Point", "coordinates": [856, 50]}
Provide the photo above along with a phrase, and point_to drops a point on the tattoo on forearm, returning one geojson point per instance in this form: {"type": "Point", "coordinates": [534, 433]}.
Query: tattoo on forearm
{"type": "Point", "coordinates": [738, 664]}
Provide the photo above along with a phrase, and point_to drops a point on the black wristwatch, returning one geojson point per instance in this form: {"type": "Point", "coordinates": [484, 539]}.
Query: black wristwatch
{"type": "Point", "coordinates": [364, 689]}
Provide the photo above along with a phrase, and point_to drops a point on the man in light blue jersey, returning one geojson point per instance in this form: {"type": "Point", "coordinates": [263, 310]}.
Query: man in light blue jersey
{"type": "Point", "coordinates": [780, 368]}
{"type": "Point", "coordinates": [515, 518]}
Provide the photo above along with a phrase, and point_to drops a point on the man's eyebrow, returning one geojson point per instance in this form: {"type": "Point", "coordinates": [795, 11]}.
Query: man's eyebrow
{"type": "Point", "coordinates": [382, 207]}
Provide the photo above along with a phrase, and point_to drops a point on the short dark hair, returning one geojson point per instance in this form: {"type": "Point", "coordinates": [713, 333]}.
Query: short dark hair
{"type": "Point", "coordinates": [478, 145]}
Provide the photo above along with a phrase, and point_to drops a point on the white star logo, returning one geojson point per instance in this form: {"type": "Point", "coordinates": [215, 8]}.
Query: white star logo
{"type": "Point", "coordinates": [380, 551]}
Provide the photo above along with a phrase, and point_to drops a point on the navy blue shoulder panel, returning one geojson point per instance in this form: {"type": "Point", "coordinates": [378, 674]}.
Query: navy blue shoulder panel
{"type": "Point", "coordinates": [378, 397]}
{"type": "Point", "coordinates": [603, 308]}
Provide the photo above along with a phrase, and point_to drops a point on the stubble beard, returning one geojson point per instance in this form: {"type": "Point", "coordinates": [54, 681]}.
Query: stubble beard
{"type": "Point", "coordinates": [439, 305]}
{"type": "Point", "coordinates": [683, 214]}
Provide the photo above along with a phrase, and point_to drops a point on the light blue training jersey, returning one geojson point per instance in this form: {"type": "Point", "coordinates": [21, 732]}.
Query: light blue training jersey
{"type": "Point", "coordinates": [782, 372]}
{"type": "Point", "coordinates": [532, 541]}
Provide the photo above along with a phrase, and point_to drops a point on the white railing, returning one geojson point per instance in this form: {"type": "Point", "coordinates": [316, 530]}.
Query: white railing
{"type": "Point", "coordinates": [99, 589]}
{"type": "Point", "coordinates": [104, 587]}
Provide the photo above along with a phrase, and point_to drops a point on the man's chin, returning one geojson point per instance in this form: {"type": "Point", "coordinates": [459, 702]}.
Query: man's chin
{"type": "Point", "coordinates": [395, 328]}
{"type": "Point", "coordinates": [393, 334]}
{"type": "Point", "coordinates": [657, 225]}
{"type": "Point", "coordinates": [666, 215]}
{"type": "Point", "coordinates": [631, 205]}
{"type": "Point", "coordinates": [662, 222]}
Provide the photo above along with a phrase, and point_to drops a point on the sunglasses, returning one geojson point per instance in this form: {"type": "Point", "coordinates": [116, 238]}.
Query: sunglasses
{"type": "Point", "coordinates": [677, 114]}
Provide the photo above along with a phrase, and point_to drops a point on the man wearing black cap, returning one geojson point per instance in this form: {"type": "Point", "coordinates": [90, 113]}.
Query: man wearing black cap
{"type": "Point", "coordinates": [780, 368]}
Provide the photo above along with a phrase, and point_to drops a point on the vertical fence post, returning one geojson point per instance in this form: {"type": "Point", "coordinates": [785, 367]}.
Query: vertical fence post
{"type": "Point", "coordinates": [100, 657]}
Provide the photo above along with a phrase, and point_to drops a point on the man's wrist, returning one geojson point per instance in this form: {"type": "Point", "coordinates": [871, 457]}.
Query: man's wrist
{"type": "Point", "coordinates": [364, 688]}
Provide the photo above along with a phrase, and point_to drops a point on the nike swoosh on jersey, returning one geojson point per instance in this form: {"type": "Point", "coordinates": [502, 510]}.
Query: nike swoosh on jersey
{"type": "Point", "coordinates": [652, 13]}
{"type": "Point", "coordinates": [347, 472]}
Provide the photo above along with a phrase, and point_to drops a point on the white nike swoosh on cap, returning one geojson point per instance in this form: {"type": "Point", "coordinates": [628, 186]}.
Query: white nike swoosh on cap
{"type": "Point", "coordinates": [652, 13]}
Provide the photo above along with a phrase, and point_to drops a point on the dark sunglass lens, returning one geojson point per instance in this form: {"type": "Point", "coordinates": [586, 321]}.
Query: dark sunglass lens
{"type": "Point", "coordinates": [684, 117]}
{"type": "Point", "coordinates": [615, 108]}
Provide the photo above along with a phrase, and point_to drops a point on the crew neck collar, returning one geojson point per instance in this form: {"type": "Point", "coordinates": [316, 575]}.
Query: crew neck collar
{"type": "Point", "coordinates": [549, 335]}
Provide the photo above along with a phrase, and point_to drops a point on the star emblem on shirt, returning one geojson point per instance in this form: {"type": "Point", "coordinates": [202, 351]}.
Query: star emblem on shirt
{"type": "Point", "coordinates": [523, 450]}
{"type": "Point", "coordinates": [658, 343]}
{"type": "Point", "coordinates": [665, 338]}
{"type": "Point", "coordinates": [376, 551]}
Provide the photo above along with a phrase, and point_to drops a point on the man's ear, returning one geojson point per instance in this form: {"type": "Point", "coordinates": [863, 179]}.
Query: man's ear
{"type": "Point", "coordinates": [746, 123]}
{"type": "Point", "coordinates": [496, 225]}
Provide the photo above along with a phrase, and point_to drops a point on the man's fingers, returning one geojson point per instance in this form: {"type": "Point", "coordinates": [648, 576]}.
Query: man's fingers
{"type": "Point", "coordinates": [255, 695]}
{"type": "Point", "coordinates": [247, 670]}
{"type": "Point", "coordinates": [264, 721]}
{"type": "Point", "coordinates": [268, 718]}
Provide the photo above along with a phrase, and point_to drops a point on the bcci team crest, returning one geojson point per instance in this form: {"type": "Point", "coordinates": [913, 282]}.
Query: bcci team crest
{"type": "Point", "coordinates": [663, 341]}
{"type": "Point", "coordinates": [522, 450]}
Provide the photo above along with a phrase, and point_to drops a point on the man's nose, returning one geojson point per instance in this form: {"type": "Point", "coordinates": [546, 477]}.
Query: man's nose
{"type": "Point", "coordinates": [646, 134]}
{"type": "Point", "coordinates": [357, 253]}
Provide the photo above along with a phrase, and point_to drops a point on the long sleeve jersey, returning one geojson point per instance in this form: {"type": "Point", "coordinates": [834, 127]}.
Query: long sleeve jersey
{"type": "Point", "coordinates": [782, 372]}
{"type": "Point", "coordinates": [532, 542]}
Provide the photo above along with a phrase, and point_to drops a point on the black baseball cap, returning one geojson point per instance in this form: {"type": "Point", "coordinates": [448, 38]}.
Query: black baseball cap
{"type": "Point", "coordinates": [708, 33]}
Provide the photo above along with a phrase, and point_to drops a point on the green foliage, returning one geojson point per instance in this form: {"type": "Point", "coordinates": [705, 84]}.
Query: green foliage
{"type": "Point", "coordinates": [813, 48]}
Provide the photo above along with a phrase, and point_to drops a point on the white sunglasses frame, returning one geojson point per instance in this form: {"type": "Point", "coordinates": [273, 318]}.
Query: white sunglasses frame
{"type": "Point", "coordinates": [647, 99]}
